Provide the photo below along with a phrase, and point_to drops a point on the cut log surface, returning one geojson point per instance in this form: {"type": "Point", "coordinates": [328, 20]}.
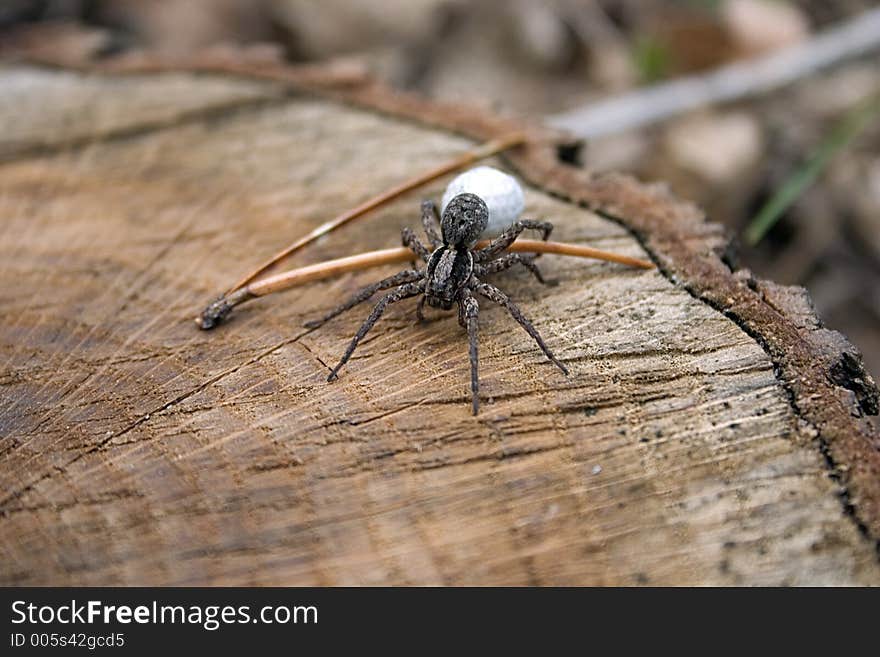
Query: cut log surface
{"type": "Point", "coordinates": [136, 449]}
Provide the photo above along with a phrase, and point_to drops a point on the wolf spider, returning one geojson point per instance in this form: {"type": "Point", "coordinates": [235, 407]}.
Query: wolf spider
{"type": "Point", "coordinates": [452, 275]}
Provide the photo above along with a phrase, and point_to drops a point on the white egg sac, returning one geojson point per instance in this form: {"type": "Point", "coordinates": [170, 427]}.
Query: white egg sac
{"type": "Point", "coordinates": [501, 192]}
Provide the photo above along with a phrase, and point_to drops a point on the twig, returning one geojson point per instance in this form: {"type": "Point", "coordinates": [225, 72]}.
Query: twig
{"type": "Point", "coordinates": [488, 149]}
{"type": "Point", "coordinates": [220, 309]}
{"type": "Point", "coordinates": [853, 38]}
{"type": "Point", "coordinates": [259, 61]}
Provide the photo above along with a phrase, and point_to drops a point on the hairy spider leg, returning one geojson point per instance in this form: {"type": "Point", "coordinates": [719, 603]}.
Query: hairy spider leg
{"type": "Point", "coordinates": [403, 292]}
{"type": "Point", "coordinates": [508, 261]}
{"type": "Point", "coordinates": [500, 243]}
{"type": "Point", "coordinates": [410, 241]}
{"type": "Point", "coordinates": [469, 310]}
{"type": "Point", "coordinates": [406, 276]}
{"type": "Point", "coordinates": [494, 294]}
{"type": "Point", "coordinates": [430, 222]}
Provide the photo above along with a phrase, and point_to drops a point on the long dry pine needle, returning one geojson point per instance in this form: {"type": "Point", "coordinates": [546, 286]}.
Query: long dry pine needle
{"type": "Point", "coordinates": [218, 310]}
{"type": "Point", "coordinates": [488, 149]}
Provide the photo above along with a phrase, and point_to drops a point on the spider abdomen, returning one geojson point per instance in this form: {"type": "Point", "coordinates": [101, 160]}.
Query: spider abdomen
{"type": "Point", "coordinates": [463, 220]}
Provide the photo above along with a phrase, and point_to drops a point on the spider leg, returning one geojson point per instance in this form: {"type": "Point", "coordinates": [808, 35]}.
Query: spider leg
{"type": "Point", "coordinates": [430, 221]}
{"type": "Point", "coordinates": [508, 261]}
{"type": "Point", "coordinates": [410, 241]}
{"type": "Point", "coordinates": [468, 314]}
{"type": "Point", "coordinates": [420, 309]}
{"type": "Point", "coordinates": [402, 292]}
{"type": "Point", "coordinates": [406, 276]}
{"type": "Point", "coordinates": [494, 294]}
{"type": "Point", "coordinates": [507, 238]}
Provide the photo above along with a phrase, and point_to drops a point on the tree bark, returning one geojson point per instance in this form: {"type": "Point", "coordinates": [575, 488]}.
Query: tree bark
{"type": "Point", "coordinates": [711, 431]}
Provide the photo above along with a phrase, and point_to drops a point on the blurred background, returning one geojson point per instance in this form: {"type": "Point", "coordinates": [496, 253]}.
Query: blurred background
{"type": "Point", "coordinates": [545, 59]}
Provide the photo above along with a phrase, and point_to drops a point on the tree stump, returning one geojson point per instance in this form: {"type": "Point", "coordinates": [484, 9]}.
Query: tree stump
{"type": "Point", "coordinates": [711, 431]}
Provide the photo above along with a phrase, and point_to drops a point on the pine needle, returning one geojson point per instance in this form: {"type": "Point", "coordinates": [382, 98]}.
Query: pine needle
{"type": "Point", "coordinates": [217, 312]}
{"type": "Point", "coordinates": [476, 154]}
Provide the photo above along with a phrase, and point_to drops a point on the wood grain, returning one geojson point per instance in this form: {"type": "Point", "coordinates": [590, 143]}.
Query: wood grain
{"type": "Point", "coordinates": [136, 449]}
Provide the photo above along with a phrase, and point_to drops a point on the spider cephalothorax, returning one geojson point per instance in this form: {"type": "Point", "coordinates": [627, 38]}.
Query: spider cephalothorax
{"type": "Point", "coordinates": [452, 275]}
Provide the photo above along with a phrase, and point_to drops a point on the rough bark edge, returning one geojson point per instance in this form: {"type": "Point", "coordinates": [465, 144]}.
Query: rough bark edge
{"type": "Point", "coordinates": [821, 372]}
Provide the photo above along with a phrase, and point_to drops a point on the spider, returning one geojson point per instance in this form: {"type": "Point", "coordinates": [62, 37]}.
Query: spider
{"type": "Point", "coordinates": [452, 275]}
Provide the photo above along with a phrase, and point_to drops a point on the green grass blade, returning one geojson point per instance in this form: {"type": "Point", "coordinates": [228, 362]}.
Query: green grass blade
{"type": "Point", "coordinates": [839, 138]}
